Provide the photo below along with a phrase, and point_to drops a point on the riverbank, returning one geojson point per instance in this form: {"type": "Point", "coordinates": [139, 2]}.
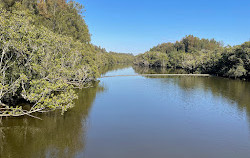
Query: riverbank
{"type": "Point", "coordinates": [200, 56]}
{"type": "Point", "coordinates": [118, 117]}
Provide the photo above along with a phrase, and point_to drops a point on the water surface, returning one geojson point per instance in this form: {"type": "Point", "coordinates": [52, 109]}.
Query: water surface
{"type": "Point", "coordinates": [140, 117]}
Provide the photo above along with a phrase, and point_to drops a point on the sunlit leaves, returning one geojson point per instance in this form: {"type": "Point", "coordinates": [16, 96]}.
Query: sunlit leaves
{"type": "Point", "coordinates": [40, 66]}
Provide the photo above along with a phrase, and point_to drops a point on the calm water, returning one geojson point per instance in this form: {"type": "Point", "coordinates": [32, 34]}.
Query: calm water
{"type": "Point", "coordinates": [139, 117]}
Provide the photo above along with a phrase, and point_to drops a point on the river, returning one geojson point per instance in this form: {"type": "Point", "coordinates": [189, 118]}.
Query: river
{"type": "Point", "coordinates": [140, 117]}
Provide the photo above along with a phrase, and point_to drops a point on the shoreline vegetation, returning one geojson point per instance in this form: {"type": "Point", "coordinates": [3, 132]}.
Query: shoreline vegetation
{"type": "Point", "coordinates": [45, 54]}
{"type": "Point", "coordinates": [200, 56]}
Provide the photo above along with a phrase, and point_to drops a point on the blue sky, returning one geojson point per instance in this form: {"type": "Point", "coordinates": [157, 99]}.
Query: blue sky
{"type": "Point", "coordinates": [135, 26]}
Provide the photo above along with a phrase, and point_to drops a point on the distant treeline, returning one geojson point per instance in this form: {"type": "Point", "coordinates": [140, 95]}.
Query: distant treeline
{"type": "Point", "coordinates": [197, 55]}
{"type": "Point", "coordinates": [46, 53]}
{"type": "Point", "coordinates": [105, 58]}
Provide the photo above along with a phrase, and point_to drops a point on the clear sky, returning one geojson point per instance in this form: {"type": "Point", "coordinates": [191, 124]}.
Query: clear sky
{"type": "Point", "coordinates": [135, 26]}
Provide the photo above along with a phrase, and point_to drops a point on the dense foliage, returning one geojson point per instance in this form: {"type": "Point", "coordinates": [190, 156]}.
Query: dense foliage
{"type": "Point", "coordinates": [56, 15]}
{"type": "Point", "coordinates": [40, 66]}
{"type": "Point", "coordinates": [45, 54]}
{"type": "Point", "coordinates": [200, 56]}
{"type": "Point", "coordinates": [234, 62]}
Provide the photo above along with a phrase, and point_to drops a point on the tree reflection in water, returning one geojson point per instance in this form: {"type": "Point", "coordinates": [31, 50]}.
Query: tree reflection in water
{"type": "Point", "coordinates": [237, 91]}
{"type": "Point", "coordinates": [54, 136]}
